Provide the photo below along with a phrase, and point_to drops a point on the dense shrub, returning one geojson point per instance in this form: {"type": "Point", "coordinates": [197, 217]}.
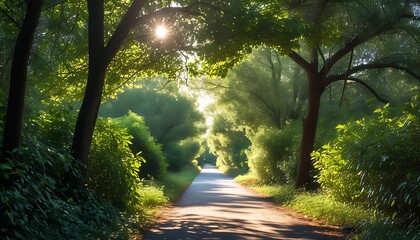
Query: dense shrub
{"type": "Point", "coordinates": [181, 154]}
{"type": "Point", "coordinates": [272, 155]}
{"type": "Point", "coordinates": [113, 168]}
{"type": "Point", "coordinates": [376, 161]}
{"type": "Point", "coordinates": [112, 171]}
{"type": "Point", "coordinates": [228, 143]}
{"type": "Point", "coordinates": [145, 145]}
{"type": "Point", "coordinates": [34, 206]}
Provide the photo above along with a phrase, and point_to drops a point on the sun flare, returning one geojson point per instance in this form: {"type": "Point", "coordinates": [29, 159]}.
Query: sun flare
{"type": "Point", "coordinates": [161, 32]}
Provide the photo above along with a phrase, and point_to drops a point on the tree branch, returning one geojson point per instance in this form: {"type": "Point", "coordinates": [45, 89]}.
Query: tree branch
{"type": "Point", "coordinates": [122, 30]}
{"type": "Point", "coordinates": [361, 82]}
{"type": "Point", "coordinates": [353, 43]}
{"type": "Point", "coordinates": [300, 61]}
{"type": "Point", "coordinates": [369, 66]}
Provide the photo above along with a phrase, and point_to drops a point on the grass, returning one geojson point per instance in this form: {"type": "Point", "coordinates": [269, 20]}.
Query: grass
{"type": "Point", "coordinates": [154, 195]}
{"type": "Point", "coordinates": [368, 223]}
{"type": "Point", "coordinates": [174, 184]}
{"type": "Point", "coordinates": [316, 205]}
{"type": "Point", "coordinates": [319, 206]}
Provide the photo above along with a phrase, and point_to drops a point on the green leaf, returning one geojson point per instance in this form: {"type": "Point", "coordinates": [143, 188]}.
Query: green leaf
{"type": "Point", "coordinates": [5, 166]}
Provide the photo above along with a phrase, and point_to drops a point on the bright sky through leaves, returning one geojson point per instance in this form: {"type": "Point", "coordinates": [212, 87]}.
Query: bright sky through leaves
{"type": "Point", "coordinates": [161, 32]}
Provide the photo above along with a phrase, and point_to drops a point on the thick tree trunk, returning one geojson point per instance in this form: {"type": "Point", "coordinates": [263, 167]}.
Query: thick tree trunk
{"type": "Point", "coordinates": [305, 165]}
{"type": "Point", "coordinates": [100, 57]}
{"type": "Point", "coordinates": [88, 114]}
{"type": "Point", "coordinates": [86, 121]}
{"type": "Point", "coordinates": [18, 77]}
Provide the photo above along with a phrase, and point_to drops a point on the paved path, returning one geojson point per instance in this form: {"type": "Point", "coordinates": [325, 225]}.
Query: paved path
{"type": "Point", "coordinates": [215, 207]}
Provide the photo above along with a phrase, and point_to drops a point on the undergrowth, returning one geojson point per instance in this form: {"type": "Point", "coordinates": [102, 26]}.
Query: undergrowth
{"type": "Point", "coordinates": [369, 224]}
{"type": "Point", "coordinates": [175, 183]}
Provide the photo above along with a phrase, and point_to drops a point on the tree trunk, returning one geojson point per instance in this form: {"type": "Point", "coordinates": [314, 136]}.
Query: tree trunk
{"type": "Point", "coordinates": [18, 77]}
{"type": "Point", "coordinates": [100, 57]}
{"type": "Point", "coordinates": [86, 120]}
{"type": "Point", "coordinates": [88, 114]}
{"type": "Point", "coordinates": [305, 165]}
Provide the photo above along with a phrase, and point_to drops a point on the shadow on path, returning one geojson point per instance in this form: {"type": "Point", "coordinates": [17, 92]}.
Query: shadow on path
{"type": "Point", "coordinates": [215, 207]}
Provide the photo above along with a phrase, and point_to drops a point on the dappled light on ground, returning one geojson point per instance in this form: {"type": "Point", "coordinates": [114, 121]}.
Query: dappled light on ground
{"type": "Point", "coordinates": [215, 207]}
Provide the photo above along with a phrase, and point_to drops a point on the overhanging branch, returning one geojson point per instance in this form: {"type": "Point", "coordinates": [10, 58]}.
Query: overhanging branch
{"type": "Point", "coordinates": [394, 65]}
{"type": "Point", "coordinates": [364, 84]}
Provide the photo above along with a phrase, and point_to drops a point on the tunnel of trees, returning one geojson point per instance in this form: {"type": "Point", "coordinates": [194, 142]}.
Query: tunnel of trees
{"type": "Point", "coordinates": [96, 103]}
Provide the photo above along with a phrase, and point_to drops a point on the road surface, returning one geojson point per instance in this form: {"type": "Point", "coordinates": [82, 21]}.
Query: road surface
{"type": "Point", "coordinates": [215, 207]}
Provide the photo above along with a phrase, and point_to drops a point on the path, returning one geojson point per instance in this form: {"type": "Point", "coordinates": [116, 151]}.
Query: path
{"type": "Point", "coordinates": [215, 207]}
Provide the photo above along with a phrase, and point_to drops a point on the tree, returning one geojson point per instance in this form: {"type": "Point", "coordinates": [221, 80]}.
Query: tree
{"type": "Point", "coordinates": [100, 57]}
{"type": "Point", "coordinates": [263, 91]}
{"type": "Point", "coordinates": [327, 39]}
{"type": "Point", "coordinates": [227, 143]}
{"type": "Point", "coordinates": [359, 25]}
{"type": "Point", "coordinates": [18, 78]}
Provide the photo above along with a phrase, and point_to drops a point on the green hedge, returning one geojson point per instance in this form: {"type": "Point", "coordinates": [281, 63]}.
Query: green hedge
{"type": "Point", "coordinates": [375, 161]}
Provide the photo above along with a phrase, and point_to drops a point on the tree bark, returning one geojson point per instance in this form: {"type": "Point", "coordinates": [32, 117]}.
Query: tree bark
{"type": "Point", "coordinates": [100, 56]}
{"type": "Point", "coordinates": [88, 113]}
{"type": "Point", "coordinates": [305, 165]}
{"type": "Point", "coordinates": [18, 78]}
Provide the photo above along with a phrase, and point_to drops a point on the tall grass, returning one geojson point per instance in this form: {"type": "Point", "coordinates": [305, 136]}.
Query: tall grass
{"type": "Point", "coordinates": [175, 183]}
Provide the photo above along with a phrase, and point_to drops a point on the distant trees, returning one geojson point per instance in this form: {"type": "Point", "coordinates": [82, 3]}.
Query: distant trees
{"type": "Point", "coordinates": [259, 97]}
{"type": "Point", "coordinates": [264, 90]}
{"type": "Point", "coordinates": [228, 143]}
{"type": "Point", "coordinates": [171, 117]}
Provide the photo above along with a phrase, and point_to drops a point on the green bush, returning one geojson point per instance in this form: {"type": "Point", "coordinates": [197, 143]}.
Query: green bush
{"type": "Point", "coordinates": [113, 168]}
{"type": "Point", "coordinates": [145, 145]}
{"type": "Point", "coordinates": [34, 206]}
{"type": "Point", "coordinates": [181, 154]}
{"type": "Point", "coordinates": [375, 161]}
{"type": "Point", "coordinates": [272, 155]}
{"type": "Point", "coordinates": [112, 171]}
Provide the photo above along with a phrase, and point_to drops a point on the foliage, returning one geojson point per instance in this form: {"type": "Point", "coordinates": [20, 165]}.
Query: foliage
{"type": "Point", "coordinates": [263, 90]}
{"type": "Point", "coordinates": [170, 115]}
{"type": "Point", "coordinates": [113, 169]}
{"type": "Point", "coordinates": [175, 183]}
{"type": "Point", "coordinates": [182, 154]}
{"type": "Point", "coordinates": [152, 196]}
{"type": "Point", "coordinates": [54, 124]}
{"type": "Point", "coordinates": [273, 152]}
{"type": "Point", "coordinates": [144, 145]}
{"type": "Point", "coordinates": [35, 205]}
{"type": "Point", "coordinates": [228, 144]}
{"type": "Point", "coordinates": [206, 157]}
{"type": "Point", "coordinates": [374, 161]}
{"type": "Point", "coordinates": [225, 38]}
